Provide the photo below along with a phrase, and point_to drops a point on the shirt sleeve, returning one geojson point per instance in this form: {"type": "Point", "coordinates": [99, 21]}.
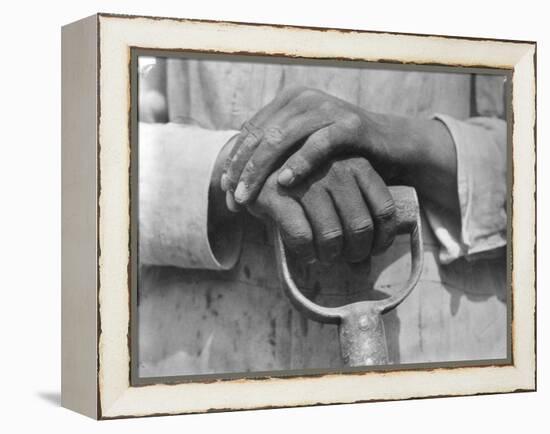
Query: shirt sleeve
{"type": "Point", "coordinates": [481, 152]}
{"type": "Point", "coordinates": [176, 163]}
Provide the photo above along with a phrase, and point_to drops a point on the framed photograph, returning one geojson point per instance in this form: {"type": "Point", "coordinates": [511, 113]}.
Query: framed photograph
{"type": "Point", "coordinates": [261, 216]}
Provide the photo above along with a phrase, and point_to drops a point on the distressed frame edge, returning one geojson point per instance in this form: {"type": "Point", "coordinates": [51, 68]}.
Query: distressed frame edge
{"type": "Point", "coordinates": [79, 272]}
{"type": "Point", "coordinates": [528, 384]}
{"type": "Point", "coordinates": [304, 27]}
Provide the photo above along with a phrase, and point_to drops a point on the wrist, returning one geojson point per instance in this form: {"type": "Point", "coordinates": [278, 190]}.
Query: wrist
{"type": "Point", "coordinates": [393, 144]}
{"type": "Point", "coordinates": [419, 153]}
{"type": "Point", "coordinates": [434, 155]}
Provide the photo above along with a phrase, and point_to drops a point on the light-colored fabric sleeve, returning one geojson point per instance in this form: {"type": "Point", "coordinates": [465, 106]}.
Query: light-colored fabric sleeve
{"type": "Point", "coordinates": [481, 179]}
{"type": "Point", "coordinates": [176, 163]}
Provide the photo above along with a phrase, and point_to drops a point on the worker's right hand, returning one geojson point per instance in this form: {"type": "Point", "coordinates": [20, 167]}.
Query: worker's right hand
{"type": "Point", "coordinates": [344, 210]}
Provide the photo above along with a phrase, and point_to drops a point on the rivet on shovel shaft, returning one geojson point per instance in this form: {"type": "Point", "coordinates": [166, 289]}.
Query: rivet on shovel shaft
{"type": "Point", "coordinates": [364, 322]}
{"type": "Point", "coordinates": [361, 329]}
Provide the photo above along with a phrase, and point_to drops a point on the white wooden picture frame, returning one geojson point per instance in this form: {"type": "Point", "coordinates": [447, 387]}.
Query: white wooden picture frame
{"type": "Point", "coordinates": [96, 245]}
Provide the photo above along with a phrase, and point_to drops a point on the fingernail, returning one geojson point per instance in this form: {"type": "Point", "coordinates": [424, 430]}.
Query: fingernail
{"type": "Point", "coordinates": [225, 182]}
{"type": "Point", "coordinates": [240, 193]}
{"type": "Point", "coordinates": [286, 177]}
{"type": "Point", "coordinates": [230, 202]}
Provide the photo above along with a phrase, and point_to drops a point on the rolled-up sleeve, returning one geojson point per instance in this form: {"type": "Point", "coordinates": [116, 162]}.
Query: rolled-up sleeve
{"type": "Point", "coordinates": [176, 163]}
{"type": "Point", "coordinates": [482, 191]}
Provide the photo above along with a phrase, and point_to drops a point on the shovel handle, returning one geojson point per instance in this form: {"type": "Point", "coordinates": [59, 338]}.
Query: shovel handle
{"type": "Point", "coordinates": [362, 336]}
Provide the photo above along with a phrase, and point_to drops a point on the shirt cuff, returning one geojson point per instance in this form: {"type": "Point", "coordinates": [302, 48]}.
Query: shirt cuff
{"type": "Point", "coordinates": [176, 163]}
{"type": "Point", "coordinates": [481, 179]}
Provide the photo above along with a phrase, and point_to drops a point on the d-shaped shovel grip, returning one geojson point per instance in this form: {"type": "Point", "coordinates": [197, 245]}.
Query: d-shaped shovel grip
{"type": "Point", "coordinates": [362, 335]}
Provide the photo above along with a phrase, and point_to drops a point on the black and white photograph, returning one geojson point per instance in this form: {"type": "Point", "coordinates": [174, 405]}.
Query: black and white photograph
{"type": "Point", "coordinates": [275, 217]}
{"type": "Point", "coordinates": [296, 216]}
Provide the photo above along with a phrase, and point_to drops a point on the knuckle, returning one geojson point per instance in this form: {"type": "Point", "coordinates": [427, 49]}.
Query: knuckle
{"type": "Point", "coordinates": [232, 177]}
{"type": "Point", "coordinates": [329, 237]}
{"type": "Point", "coordinates": [338, 166]}
{"type": "Point", "coordinates": [298, 164]}
{"type": "Point", "coordinates": [337, 175]}
{"type": "Point", "coordinates": [298, 239]}
{"type": "Point", "coordinates": [249, 168]}
{"type": "Point", "coordinates": [341, 171]}
{"type": "Point", "coordinates": [251, 141]}
{"type": "Point", "coordinates": [308, 92]}
{"type": "Point", "coordinates": [387, 211]}
{"type": "Point", "coordinates": [319, 142]}
{"type": "Point", "coordinates": [361, 226]}
{"type": "Point", "coordinates": [250, 129]}
{"type": "Point", "coordinates": [348, 170]}
{"type": "Point", "coordinates": [352, 121]}
{"type": "Point", "coordinates": [362, 168]}
{"type": "Point", "coordinates": [273, 136]}
{"type": "Point", "coordinates": [358, 163]}
{"type": "Point", "coordinates": [247, 126]}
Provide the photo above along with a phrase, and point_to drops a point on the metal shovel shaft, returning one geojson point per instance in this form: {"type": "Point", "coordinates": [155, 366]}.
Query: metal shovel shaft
{"type": "Point", "coordinates": [363, 338]}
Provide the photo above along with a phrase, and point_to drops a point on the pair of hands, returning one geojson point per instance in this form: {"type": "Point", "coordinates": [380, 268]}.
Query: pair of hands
{"type": "Point", "coordinates": [290, 163]}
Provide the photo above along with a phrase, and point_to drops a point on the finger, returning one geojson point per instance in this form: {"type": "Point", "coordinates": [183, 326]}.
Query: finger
{"type": "Point", "coordinates": [325, 223]}
{"type": "Point", "coordinates": [318, 147]}
{"type": "Point", "coordinates": [356, 222]}
{"type": "Point", "coordinates": [277, 141]}
{"type": "Point", "coordinates": [253, 137]}
{"type": "Point", "coordinates": [230, 202]}
{"type": "Point", "coordinates": [248, 140]}
{"type": "Point", "coordinates": [380, 203]}
{"type": "Point", "coordinates": [236, 145]}
{"type": "Point", "coordinates": [294, 226]}
{"type": "Point", "coordinates": [251, 134]}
